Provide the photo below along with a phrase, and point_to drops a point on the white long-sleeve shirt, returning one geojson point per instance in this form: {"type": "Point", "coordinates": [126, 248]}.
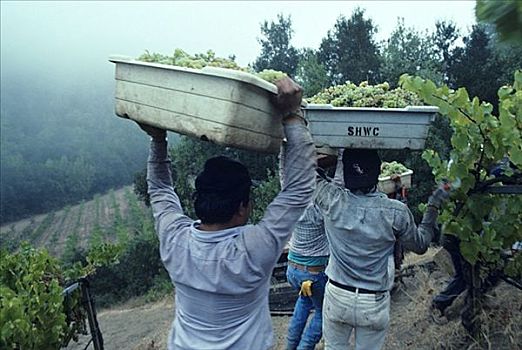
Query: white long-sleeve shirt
{"type": "Point", "coordinates": [222, 277]}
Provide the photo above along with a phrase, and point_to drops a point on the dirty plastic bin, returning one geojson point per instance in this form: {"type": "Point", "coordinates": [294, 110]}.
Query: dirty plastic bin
{"type": "Point", "coordinates": [224, 106]}
{"type": "Point", "coordinates": [376, 128]}
{"type": "Point", "coordinates": [386, 184]}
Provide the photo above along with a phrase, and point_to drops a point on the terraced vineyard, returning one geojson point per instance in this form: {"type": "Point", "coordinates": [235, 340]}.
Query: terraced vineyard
{"type": "Point", "coordinates": [109, 217]}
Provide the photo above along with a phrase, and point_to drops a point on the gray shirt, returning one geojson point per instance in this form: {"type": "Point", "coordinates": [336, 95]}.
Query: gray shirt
{"type": "Point", "coordinates": [222, 277]}
{"type": "Point", "coordinates": [309, 238]}
{"type": "Point", "coordinates": [362, 229]}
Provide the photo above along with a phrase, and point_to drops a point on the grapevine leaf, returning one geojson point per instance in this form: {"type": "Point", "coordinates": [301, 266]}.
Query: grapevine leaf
{"type": "Point", "coordinates": [515, 154]}
{"type": "Point", "coordinates": [504, 91]}
{"type": "Point", "coordinates": [469, 251]}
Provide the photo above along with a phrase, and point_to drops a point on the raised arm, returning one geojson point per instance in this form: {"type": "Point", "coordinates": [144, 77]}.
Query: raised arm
{"type": "Point", "coordinates": [298, 183]}
{"type": "Point", "coordinates": [418, 239]}
{"type": "Point", "coordinates": [166, 207]}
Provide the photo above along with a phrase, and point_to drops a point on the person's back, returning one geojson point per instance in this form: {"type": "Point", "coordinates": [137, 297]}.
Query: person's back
{"type": "Point", "coordinates": [221, 267]}
{"type": "Point", "coordinates": [221, 288]}
{"type": "Point", "coordinates": [363, 229]}
{"type": "Point", "coordinates": [362, 226]}
{"type": "Point", "coordinates": [307, 258]}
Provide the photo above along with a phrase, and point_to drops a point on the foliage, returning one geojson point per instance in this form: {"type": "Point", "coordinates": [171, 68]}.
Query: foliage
{"type": "Point", "coordinates": [473, 66]}
{"type": "Point", "coordinates": [409, 51]}
{"type": "Point", "coordinates": [276, 51]}
{"type": "Point", "coordinates": [310, 73]}
{"type": "Point", "coordinates": [140, 186]}
{"type": "Point", "coordinates": [485, 223]}
{"type": "Point", "coordinates": [136, 271]}
{"type": "Point", "coordinates": [263, 194]}
{"type": "Point", "coordinates": [58, 150]}
{"type": "Point", "coordinates": [349, 51]}
{"type": "Point", "coordinates": [32, 305]}
{"type": "Point", "coordinates": [506, 15]}
{"type": "Point", "coordinates": [444, 39]}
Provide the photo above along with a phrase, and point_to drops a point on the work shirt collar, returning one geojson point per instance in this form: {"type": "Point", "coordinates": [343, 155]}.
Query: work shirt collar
{"type": "Point", "coordinates": [213, 236]}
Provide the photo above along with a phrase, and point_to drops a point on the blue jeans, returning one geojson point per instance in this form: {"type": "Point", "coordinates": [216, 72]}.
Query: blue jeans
{"type": "Point", "coordinates": [303, 306]}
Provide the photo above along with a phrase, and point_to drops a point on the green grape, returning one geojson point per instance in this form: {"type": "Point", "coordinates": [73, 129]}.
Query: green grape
{"type": "Point", "coordinates": [365, 95]}
{"type": "Point", "coordinates": [391, 168]}
{"type": "Point", "coordinates": [181, 58]}
{"type": "Point", "coordinates": [271, 75]}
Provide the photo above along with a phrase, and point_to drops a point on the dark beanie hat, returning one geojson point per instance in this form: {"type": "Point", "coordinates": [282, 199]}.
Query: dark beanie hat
{"type": "Point", "coordinates": [224, 177]}
{"type": "Point", "coordinates": [361, 168]}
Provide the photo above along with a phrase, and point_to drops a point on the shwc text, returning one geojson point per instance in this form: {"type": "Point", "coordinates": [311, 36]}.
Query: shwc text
{"type": "Point", "coordinates": [363, 131]}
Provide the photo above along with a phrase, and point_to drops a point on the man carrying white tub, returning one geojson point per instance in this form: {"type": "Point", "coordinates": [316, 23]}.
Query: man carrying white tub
{"type": "Point", "coordinates": [220, 266]}
{"type": "Point", "coordinates": [362, 226]}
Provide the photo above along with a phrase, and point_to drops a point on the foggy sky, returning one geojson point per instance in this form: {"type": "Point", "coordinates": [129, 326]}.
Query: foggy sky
{"type": "Point", "coordinates": [67, 41]}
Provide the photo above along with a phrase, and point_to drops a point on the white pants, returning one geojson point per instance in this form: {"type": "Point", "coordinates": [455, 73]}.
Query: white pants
{"type": "Point", "coordinates": [344, 311]}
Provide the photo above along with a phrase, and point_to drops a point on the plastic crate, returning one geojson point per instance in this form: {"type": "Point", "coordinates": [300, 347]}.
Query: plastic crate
{"type": "Point", "coordinates": [387, 185]}
{"type": "Point", "coordinates": [233, 108]}
{"type": "Point", "coordinates": [375, 128]}
{"type": "Point", "coordinates": [224, 106]}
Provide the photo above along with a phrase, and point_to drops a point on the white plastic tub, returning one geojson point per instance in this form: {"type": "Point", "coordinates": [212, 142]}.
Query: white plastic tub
{"type": "Point", "coordinates": [224, 106]}
{"type": "Point", "coordinates": [233, 108]}
{"type": "Point", "coordinates": [387, 185]}
{"type": "Point", "coordinates": [376, 128]}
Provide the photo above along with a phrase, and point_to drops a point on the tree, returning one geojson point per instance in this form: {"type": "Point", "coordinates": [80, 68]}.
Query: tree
{"type": "Point", "coordinates": [349, 51]}
{"type": "Point", "coordinates": [506, 15]}
{"type": "Point", "coordinates": [276, 51]}
{"type": "Point", "coordinates": [310, 73]}
{"type": "Point", "coordinates": [483, 65]}
{"type": "Point", "coordinates": [444, 38]}
{"type": "Point", "coordinates": [408, 51]}
{"type": "Point", "coordinates": [473, 66]}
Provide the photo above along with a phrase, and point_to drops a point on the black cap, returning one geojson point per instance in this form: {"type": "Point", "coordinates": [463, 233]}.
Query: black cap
{"type": "Point", "coordinates": [224, 177]}
{"type": "Point", "coordinates": [361, 168]}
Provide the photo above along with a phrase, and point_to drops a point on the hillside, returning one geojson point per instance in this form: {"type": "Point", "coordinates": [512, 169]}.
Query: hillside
{"type": "Point", "coordinates": [145, 326]}
{"type": "Point", "coordinates": [79, 225]}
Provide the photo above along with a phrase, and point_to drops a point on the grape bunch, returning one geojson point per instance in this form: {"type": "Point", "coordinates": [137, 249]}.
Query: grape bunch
{"type": "Point", "coordinates": [181, 58]}
{"type": "Point", "coordinates": [392, 168]}
{"type": "Point", "coordinates": [365, 95]}
{"type": "Point", "coordinates": [271, 75]}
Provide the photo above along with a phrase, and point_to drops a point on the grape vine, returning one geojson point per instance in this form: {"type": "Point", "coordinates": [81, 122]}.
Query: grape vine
{"type": "Point", "coordinates": [486, 224]}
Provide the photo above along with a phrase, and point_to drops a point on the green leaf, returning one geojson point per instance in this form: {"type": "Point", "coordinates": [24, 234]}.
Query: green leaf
{"type": "Point", "coordinates": [515, 155]}
{"type": "Point", "coordinates": [469, 251]}
{"type": "Point", "coordinates": [461, 97]}
{"type": "Point", "coordinates": [459, 140]}
{"type": "Point", "coordinates": [504, 91]}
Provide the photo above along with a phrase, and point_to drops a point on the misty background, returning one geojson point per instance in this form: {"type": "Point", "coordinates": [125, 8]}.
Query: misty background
{"type": "Point", "coordinates": [60, 139]}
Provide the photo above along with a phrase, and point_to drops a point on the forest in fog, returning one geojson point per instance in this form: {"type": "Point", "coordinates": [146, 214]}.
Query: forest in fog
{"type": "Point", "coordinates": [62, 143]}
